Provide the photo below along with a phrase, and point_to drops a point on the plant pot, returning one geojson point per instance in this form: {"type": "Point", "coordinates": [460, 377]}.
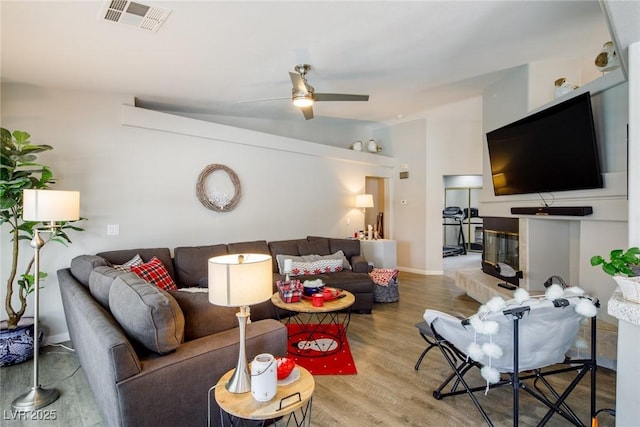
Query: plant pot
{"type": "Point", "coordinates": [16, 345]}
{"type": "Point", "coordinates": [630, 287]}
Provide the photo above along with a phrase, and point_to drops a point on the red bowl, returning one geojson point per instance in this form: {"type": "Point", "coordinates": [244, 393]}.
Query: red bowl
{"type": "Point", "coordinates": [285, 367]}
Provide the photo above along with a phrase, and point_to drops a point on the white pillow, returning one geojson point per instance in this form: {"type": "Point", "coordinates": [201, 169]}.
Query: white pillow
{"type": "Point", "coordinates": [311, 258]}
{"type": "Point", "coordinates": [136, 260]}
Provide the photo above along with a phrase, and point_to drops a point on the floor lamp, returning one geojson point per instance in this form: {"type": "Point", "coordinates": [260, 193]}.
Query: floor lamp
{"type": "Point", "coordinates": [240, 281]}
{"type": "Point", "coordinates": [48, 207]}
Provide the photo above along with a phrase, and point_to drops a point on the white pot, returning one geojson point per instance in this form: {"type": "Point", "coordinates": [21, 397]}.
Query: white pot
{"type": "Point", "coordinates": [630, 287]}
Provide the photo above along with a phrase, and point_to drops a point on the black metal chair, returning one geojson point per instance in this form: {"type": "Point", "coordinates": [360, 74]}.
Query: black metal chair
{"type": "Point", "coordinates": [533, 338]}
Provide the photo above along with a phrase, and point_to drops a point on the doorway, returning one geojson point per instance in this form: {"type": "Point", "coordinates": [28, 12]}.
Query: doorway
{"type": "Point", "coordinates": [377, 215]}
{"type": "Point", "coordinates": [461, 219]}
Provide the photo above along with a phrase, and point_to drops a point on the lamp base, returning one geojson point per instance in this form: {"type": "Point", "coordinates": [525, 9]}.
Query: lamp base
{"type": "Point", "coordinates": [240, 381]}
{"type": "Point", "coordinates": [36, 398]}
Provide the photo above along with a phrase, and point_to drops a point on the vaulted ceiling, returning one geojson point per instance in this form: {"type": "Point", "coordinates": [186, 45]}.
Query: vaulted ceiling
{"type": "Point", "coordinates": [209, 57]}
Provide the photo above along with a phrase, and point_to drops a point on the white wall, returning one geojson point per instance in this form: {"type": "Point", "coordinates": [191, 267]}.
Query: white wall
{"type": "Point", "coordinates": [571, 240]}
{"type": "Point", "coordinates": [142, 176]}
{"type": "Point", "coordinates": [442, 141]}
{"type": "Point", "coordinates": [409, 220]}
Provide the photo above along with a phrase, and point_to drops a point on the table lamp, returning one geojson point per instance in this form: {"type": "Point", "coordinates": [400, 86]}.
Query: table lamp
{"type": "Point", "coordinates": [48, 207]}
{"type": "Point", "coordinates": [240, 280]}
{"type": "Point", "coordinates": [364, 201]}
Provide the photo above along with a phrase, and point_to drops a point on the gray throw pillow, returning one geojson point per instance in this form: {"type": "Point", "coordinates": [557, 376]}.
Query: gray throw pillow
{"type": "Point", "coordinates": [83, 265]}
{"type": "Point", "coordinates": [100, 281]}
{"type": "Point", "coordinates": [147, 313]}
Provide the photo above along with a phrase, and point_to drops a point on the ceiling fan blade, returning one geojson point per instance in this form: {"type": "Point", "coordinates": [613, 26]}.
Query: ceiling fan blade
{"type": "Point", "coordinates": [340, 97]}
{"type": "Point", "coordinates": [171, 107]}
{"type": "Point", "coordinates": [307, 112]}
{"type": "Point", "coordinates": [298, 83]}
{"type": "Point", "coordinates": [265, 99]}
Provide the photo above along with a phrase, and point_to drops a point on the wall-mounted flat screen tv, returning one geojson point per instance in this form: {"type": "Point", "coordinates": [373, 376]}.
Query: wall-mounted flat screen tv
{"type": "Point", "coordinates": [552, 150]}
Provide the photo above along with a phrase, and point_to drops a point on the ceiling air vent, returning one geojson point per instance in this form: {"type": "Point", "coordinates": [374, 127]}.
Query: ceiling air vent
{"type": "Point", "coordinates": [135, 14]}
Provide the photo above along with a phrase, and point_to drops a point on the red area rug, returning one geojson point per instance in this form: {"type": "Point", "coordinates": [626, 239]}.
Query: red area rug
{"type": "Point", "coordinates": [325, 352]}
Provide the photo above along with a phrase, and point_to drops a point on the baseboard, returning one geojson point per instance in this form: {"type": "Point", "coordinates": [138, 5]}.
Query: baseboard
{"type": "Point", "coordinates": [418, 271]}
{"type": "Point", "coordinates": [57, 339]}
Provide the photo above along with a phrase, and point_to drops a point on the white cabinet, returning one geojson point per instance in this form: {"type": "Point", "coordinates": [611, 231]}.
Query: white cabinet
{"type": "Point", "coordinates": [381, 252]}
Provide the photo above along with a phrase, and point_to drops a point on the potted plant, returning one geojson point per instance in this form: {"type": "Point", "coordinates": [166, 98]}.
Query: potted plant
{"type": "Point", "coordinates": [624, 266]}
{"type": "Point", "coordinates": [19, 171]}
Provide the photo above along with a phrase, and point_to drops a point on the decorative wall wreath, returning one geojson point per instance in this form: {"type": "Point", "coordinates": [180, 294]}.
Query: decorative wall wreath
{"type": "Point", "coordinates": [214, 200]}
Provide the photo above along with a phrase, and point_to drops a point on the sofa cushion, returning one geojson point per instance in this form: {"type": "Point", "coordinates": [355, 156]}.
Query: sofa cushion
{"type": "Point", "coordinates": [100, 281]}
{"type": "Point", "coordinates": [288, 247]}
{"type": "Point", "coordinates": [201, 317]}
{"type": "Point", "coordinates": [122, 256]}
{"type": "Point", "coordinates": [155, 273]}
{"type": "Point", "coordinates": [314, 247]}
{"type": "Point", "coordinates": [148, 314]}
{"type": "Point", "coordinates": [83, 265]}
{"type": "Point", "coordinates": [350, 247]}
{"type": "Point", "coordinates": [355, 283]}
{"type": "Point", "coordinates": [255, 247]}
{"type": "Point", "coordinates": [191, 263]}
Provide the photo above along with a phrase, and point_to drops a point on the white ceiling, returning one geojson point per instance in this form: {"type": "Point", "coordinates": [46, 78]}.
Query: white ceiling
{"type": "Point", "coordinates": [211, 55]}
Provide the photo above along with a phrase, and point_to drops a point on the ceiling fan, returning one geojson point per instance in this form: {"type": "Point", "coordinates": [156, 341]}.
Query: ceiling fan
{"type": "Point", "coordinates": [303, 94]}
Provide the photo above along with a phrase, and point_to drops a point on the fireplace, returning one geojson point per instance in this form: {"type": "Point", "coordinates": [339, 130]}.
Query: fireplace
{"type": "Point", "coordinates": [500, 246]}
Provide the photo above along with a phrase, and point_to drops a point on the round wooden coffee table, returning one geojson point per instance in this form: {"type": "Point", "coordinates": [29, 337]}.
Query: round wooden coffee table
{"type": "Point", "coordinates": [293, 400]}
{"type": "Point", "coordinates": [331, 319]}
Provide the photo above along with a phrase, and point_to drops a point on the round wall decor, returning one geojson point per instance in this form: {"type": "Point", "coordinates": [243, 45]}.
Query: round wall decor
{"type": "Point", "coordinates": [214, 200]}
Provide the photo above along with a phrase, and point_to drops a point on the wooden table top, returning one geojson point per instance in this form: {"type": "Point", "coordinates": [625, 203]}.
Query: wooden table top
{"type": "Point", "coordinates": [305, 305]}
{"type": "Point", "coordinates": [243, 405]}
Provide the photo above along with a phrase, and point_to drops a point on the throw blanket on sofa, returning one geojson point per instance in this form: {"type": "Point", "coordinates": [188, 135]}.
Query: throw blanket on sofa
{"type": "Point", "coordinates": [383, 276]}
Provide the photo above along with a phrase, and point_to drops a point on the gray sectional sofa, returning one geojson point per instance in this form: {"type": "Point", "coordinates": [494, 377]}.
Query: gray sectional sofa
{"type": "Point", "coordinates": [150, 355]}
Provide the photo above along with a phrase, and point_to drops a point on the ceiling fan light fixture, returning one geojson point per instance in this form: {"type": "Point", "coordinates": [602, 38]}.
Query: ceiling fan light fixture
{"type": "Point", "coordinates": [302, 100]}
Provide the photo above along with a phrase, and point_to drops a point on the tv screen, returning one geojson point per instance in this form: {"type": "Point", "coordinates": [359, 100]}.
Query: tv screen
{"type": "Point", "coordinates": [551, 150]}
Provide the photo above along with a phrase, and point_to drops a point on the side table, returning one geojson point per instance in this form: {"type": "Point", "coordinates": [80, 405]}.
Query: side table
{"type": "Point", "coordinates": [381, 252]}
{"type": "Point", "coordinates": [333, 315]}
{"type": "Point", "coordinates": [293, 400]}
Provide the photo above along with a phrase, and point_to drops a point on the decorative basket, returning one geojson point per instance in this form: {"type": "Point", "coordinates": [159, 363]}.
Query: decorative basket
{"type": "Point", "coordinates": [290, 291]}
{"type": "Point", "coordinates": [630, 287]}
{"type": "Point", "coordinates": [389, 293]}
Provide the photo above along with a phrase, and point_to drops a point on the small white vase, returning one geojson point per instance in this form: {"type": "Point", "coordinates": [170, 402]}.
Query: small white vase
{"type": "Point", "coordinates": [373, 147]}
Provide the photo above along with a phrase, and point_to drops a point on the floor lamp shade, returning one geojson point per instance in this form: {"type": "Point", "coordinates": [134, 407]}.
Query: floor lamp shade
{"type": "Point", "coordinates": [50, 205]}
{"type": "Point", "coordinates": [240, 279]}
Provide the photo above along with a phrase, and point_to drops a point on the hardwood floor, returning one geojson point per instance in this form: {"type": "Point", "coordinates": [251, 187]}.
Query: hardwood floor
{"type": "Point", "coordinates": [387, 391]}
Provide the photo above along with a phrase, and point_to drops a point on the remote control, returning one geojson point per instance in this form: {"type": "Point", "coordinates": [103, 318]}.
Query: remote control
{"type": "Point", "coordinates": [508, 286]}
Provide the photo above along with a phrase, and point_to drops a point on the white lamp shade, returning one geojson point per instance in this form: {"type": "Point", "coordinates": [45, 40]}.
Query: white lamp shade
{"type": "Point", "coordinates": [50, 205]}
{"type": "Point", "coordinates": [364, 201]}
{"type": "Point", "coordinates": [240, 279]}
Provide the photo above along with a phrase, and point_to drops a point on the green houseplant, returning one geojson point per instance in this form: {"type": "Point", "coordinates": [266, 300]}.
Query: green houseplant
{"type": "Point", "coordinates": [19, 171]}
{"type": "Point", "coordinates": [624, 266]}
{"type": "Point", "coordinates": [620, 262]}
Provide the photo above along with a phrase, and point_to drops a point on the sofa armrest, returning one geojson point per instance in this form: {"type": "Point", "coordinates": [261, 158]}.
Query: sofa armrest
{"type": "Point", "coordinates": [178, 383]}
{"type": "Point", "coordinates": [105, 353]}
{"type": "Point", "coordinates": [359, 264]}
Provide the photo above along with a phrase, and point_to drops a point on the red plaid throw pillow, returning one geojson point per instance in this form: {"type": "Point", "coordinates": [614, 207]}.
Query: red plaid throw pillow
{"type": "Point", "coordinates": [155, 273]}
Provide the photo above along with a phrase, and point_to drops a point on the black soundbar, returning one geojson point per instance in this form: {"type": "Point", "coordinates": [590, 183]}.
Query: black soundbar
{"type": "Point", "coordinates": [554, 210]}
